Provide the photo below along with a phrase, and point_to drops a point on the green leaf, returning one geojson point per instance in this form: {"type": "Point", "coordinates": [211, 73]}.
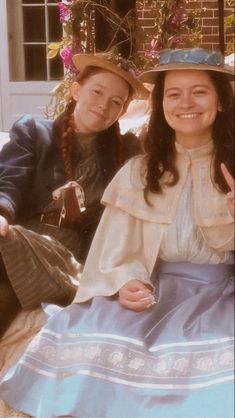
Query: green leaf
{"type": "Point", "coordinates": [229, 20]}
{"type": "Point", "coordinates": [52, 53]}
{"type": "Point", "coordinates": [55, 45]}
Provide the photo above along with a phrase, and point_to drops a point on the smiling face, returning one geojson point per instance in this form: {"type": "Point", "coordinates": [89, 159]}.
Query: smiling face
{"type": "Point", "coordinates": [100, 100]}
{"type": "Point", "coordinates": [190, 105]}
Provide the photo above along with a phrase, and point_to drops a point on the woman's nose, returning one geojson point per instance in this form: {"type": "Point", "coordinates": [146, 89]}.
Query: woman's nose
{"type": "Point", "coordinates": [103, 104]}
{"type": "Point", "coordinates": [186, 100]}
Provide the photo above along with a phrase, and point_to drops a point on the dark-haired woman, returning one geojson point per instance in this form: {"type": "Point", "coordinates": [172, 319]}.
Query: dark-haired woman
{"type": "Point", "coordinates": [151, 331]}
{"type": "Point", "coordinates": [46, 229]}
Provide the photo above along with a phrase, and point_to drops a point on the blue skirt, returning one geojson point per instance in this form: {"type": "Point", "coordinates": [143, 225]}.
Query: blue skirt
{"type": "Point", "coordinates": [97, 359]}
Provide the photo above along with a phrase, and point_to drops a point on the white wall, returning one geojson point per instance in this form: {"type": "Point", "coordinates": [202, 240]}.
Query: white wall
{"type": "Point", "coordinates": [4, 69]}
{"type": "Point", "coordinates": [4, 137]}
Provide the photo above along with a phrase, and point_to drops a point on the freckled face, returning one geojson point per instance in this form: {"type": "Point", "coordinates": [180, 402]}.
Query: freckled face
{"type": "Point", "coordinates": [100, 101]}
{"type": "Point", "coordinates": [190, 105]}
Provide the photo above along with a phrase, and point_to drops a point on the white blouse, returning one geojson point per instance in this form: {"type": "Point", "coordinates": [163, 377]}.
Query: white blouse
{"type": "Point", "coordinates": [183, 241]}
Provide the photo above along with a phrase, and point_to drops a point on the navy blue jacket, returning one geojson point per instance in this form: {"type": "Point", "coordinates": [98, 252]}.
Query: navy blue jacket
{"type": "Point", "coordinates": [31, 167]}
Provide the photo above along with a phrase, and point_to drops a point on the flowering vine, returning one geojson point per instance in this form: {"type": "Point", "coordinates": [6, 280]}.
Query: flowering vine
{"type": "Point", "coordinates": [77, 17]}
{"type": "Point", "coordinates": [175, 25]}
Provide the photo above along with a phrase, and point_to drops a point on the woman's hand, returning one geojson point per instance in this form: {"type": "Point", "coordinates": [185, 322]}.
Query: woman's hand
{"type": "Point", "coordinates": [230, 182]}
{"type": "Point", "coordinates": [136, 296]}
{"type": "Point", "coordinates": [4, 226]}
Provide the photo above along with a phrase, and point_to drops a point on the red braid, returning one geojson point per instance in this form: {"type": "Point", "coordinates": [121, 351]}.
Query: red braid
{"type": "Point", "coordinates": [67, 138]}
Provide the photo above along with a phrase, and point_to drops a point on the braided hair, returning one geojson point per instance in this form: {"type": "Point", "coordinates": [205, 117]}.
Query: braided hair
{"type": "Point", "coordinates": [67, 136]}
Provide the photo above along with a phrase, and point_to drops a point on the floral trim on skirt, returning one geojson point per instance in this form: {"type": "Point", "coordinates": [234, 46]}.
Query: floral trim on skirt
{"type": "Point", "coordinates": [97, 359]}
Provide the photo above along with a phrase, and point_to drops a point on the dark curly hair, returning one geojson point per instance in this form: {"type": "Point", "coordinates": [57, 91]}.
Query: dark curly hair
{"type": "Point", "coordinates": [159, 141]}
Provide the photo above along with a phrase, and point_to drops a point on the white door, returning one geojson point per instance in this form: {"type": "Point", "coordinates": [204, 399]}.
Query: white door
{"type": "Point", "coordinates": [26, 76]}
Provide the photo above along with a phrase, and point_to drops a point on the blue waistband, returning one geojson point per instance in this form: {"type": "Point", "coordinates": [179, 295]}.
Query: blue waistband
{"type": "Point", "coordinates": [203, 272]}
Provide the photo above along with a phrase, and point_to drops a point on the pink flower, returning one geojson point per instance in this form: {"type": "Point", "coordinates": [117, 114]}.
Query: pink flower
{"type": "Point", "coordinates": [134, 72]}
{"type": "Point", "coordinates": [64, 12]}
{"type": "Point", "coordinates": [155, 47]}
{"type": "Point", "coordinates": [66, 55]}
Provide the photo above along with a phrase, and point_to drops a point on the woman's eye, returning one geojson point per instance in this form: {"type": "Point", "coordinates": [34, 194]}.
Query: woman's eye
{"type": "Point", "coordinates": [117, 102]}
{"type": "Point", "coordinates": [199, 92]}
{"type": "Point", "coordinates": [97, 92]}
{"type": "Point", "coordinates": [173, 95]}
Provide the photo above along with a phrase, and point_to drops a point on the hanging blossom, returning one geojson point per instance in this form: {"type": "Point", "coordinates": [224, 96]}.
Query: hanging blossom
{"type": "Point", "coordinates": [177, 18]}
{"type": "Point", "coordinates": [169, 31]}
{"type": "Point", "coordinates": [64, 10]}
{"type": "Point", "coordinates": [156, 46]}
{"type": "Point", "coordinates": [66, 54]}
{"type": "Point", "coordinates": [68, 2]}
{"type": "Point", "coordinates": [64, 13]}
{"type": "Point", "coordinates": [71, 42]}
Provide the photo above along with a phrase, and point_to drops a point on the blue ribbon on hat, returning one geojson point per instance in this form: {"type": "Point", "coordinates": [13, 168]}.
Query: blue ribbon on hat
{"type": "Point", "coordinates": [193, 56]}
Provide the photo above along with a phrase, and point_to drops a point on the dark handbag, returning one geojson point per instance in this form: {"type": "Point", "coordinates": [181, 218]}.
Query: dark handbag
{"type": "Point", "coordinates": [66, 208]}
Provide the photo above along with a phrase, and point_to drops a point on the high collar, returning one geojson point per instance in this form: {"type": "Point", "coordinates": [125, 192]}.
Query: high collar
{"type": "Point", "coordinates": [194, 153]}
{"type": "Point", "coordinates": [84, 139]}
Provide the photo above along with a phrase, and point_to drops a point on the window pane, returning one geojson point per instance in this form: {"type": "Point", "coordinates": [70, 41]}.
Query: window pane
{"type": "Point", "coordinates": [35, 62]}
{"type": "Point", "coordinates": [56, 68]}
{"type": "Point", "coordinates": [33, 1]}
{"type": "Point", "coordinates": [34, 24]}
{"type": "Point", "coordinates": [55, 27]}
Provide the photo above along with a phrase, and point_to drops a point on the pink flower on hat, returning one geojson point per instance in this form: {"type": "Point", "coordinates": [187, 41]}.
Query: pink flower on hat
{"type": "Point", "coordinates": [134, 72]}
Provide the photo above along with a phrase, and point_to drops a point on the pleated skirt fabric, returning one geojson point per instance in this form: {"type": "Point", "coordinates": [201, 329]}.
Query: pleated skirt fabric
{"type": "Point", "coordinates": [99, 360]}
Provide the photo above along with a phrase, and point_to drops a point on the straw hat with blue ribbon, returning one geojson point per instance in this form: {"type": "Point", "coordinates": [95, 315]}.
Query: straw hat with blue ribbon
{"type": "Point", "coordinates": [188, 59]}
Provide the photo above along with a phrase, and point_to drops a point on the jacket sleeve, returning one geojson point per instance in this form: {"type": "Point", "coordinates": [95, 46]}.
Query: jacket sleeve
{"type": "Point", "coordinates": [116, 255]}
{"type": "Point", "coordinates": [16, 166]}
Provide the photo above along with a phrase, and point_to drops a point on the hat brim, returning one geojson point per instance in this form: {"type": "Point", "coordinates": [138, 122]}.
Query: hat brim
{"type": "Point", "coordinates": [150, 76]}
{"type": "Point", "coordinates": [81, 61]}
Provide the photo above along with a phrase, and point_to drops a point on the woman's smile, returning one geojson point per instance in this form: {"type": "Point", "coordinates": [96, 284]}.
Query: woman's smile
{"type": "Point", "coordinates": [98, 114]}
{"type": "Point", "coordinates": [188, 115]}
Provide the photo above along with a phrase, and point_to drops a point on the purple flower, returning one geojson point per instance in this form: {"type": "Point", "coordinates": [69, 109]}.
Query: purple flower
{"type": "Point", "coordinates": [66, 55]}
{"type": "Point", "coordinates": [64, 12]}
{"type": "Point", "coordinates": [155, 47]}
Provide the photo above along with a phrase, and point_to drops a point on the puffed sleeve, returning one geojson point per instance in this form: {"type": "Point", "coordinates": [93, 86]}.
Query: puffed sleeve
{"type": "Point", "coordinates": [126, 241]}
{"type": "Point", "coordinates": [115, 257]}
